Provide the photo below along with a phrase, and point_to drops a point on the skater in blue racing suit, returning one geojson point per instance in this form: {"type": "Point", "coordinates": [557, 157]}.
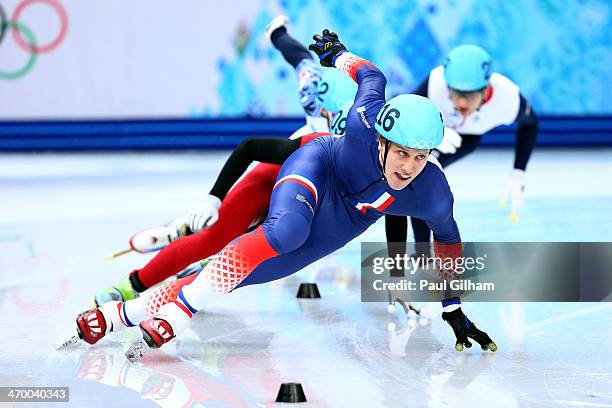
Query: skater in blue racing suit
{"type": "Point", "coordinates": [330, 191]}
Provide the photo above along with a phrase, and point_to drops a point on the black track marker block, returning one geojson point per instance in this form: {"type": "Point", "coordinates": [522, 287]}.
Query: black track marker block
{"type": "Point", "coordinates": [291, 392]}
{"type": "Point", "coordinates": [308, 291]}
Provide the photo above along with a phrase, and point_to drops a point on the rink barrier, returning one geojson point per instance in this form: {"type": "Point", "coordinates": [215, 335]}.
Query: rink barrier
{"type": "Point", "coordinates": [178, 134]}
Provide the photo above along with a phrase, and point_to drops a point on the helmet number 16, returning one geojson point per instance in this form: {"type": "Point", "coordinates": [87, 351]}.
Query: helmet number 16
{"type": "Point", "coordinates": [387, 119]}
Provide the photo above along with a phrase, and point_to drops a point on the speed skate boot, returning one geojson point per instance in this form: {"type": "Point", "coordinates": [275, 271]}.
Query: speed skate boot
{"type": "Point", "coordinates": [156, 238]}
{"type": "Point", "coordinates": [94, 324]}
{"type": "Point", "coordinates": [91, 326]}
{"type": "Point", "coordinates": [276, 23]}
{"type": "Point", "coordinates": [156, 332]}
{"type": "Point", "coordinates": [120, 292]}
{"type": "Point", "coordinates": [169, 320]}
{"type": "Point", "coordinates": [401, 297]}
{"type": "Point", "coordinates": [195, 267]}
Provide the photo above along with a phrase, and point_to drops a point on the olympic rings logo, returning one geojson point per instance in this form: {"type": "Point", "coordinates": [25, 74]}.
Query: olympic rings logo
{"type": "Point", "coordinates": [25, 38]}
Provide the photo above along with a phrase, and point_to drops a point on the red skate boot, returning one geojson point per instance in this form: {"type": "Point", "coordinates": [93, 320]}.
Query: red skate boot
{"type": "Point", "coordinates": [156, 332]}
{"type": "Point", "coordinates": [94, 324]}
{"type": "Point", "coordinates": [91, 326]}
{"type": "Point", "coordinates": [169, 321]}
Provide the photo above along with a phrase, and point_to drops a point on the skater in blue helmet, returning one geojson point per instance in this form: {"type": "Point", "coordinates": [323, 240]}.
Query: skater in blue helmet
{"type": "Point", "coordinates": [330, 191]}
{"type": "Point", "coordinates": [473, 100]}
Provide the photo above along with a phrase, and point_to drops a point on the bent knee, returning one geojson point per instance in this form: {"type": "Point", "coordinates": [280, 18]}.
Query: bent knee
{"type": "Point", "coordinates": [287, 231]}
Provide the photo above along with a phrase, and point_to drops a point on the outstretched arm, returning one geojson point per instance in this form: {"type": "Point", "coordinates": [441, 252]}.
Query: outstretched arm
{"type": "Point", "coordinates": [526, 134]}
{"type": "Point", "coordinates": [447, 247]}
{"type": "Point", "coordinates": [370, 93]}
{"type": "Point", "coordinates": [370, 80]}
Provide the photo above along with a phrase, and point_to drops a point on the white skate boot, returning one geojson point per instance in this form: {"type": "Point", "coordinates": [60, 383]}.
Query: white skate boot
{"type": "Point", "coordinates": [276, 23]}
{"type": "Point", "coordinates": [156, 238]}
{"type": "Point", "coordinates": [401, 297]}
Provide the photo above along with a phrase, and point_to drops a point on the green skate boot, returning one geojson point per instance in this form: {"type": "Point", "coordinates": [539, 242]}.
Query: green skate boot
{"type": "Point", "coordinates": [121, 292]}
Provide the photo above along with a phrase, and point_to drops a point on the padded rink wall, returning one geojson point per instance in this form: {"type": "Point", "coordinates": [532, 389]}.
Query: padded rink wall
{"type": "Point", "coordinates": [227, 133]}
{"type": "Point", "coordinates": [148, 75]}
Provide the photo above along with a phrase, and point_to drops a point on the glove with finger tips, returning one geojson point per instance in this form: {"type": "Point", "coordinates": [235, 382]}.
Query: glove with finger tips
{"type": "Point", "coordinates": [204, 214]}
{"type": "Point", "coordinates": [451, 141]}
{"type": "Point", "coordinates": [464, 330]}
{"type": "Point", "coordinates": [515, 190]}
{"type": "Point", "coordinates": [327, 47]}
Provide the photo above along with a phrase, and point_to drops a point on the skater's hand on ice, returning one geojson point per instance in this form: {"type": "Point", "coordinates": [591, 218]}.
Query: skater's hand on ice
{"type": "Point", "coordinates": [515, 190]}
{"type": "Point", "coordinates": [464, 330]}
{"type": "Point", "coordinates": [327, 47]}
{"type": "Point", "coordinates": [450, 142]}
{"type": "Point", "coordinates": [204, 214]}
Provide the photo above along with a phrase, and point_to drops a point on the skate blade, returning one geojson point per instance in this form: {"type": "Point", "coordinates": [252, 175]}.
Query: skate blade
{"type": "Point", "coordinates": [136, 351]}
{"type": "Point", "coordinates": [72, 342]}
{"type": "Point", "coordinates": [414, 309]}
{"type": "Point", "coordinates": [119, 253]}
{"type": "Point", "coordinates": [407, 306]}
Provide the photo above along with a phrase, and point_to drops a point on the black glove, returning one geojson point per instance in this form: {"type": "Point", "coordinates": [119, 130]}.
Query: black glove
{"type": "Point", "coordinates": [327, 47]}
{"type": "Point", "coordinates": [464, 328]}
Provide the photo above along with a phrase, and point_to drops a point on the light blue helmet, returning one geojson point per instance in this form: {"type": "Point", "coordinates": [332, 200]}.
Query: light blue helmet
{"type": "Point", "coordinates": [336, 90]}
{"type": "Point", "coordinates": [411, 121]}
{"type": "Point", "coordinates": [467, 68]}
{"type": "Point", "coordinates": [338, 123]}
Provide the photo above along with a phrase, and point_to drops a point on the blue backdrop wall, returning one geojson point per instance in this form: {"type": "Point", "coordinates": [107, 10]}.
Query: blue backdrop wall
{"type": "Point", "coordinates": [68, 82]}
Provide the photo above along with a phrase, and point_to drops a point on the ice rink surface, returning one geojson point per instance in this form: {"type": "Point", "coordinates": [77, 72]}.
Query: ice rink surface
{"type": "Point", "coordinates": [60, 215]}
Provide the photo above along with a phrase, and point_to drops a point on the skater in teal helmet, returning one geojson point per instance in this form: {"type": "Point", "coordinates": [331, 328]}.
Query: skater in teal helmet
{"type": "Point", "coordinates": [473, 100]}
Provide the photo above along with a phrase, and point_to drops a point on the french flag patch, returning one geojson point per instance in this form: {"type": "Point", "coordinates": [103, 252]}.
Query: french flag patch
{"type": "Point", "coordinates": [379, 204]}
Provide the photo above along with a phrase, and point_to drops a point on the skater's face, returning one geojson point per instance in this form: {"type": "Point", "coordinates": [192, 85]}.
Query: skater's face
{"type": "Point", "coordinates": [467, 102]}
{"type": "Point", "coordinates": [403, 164]}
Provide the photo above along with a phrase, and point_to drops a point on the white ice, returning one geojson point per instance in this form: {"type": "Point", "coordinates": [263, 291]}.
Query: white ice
{"type": "Point", "coordinates": [60, 215]}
